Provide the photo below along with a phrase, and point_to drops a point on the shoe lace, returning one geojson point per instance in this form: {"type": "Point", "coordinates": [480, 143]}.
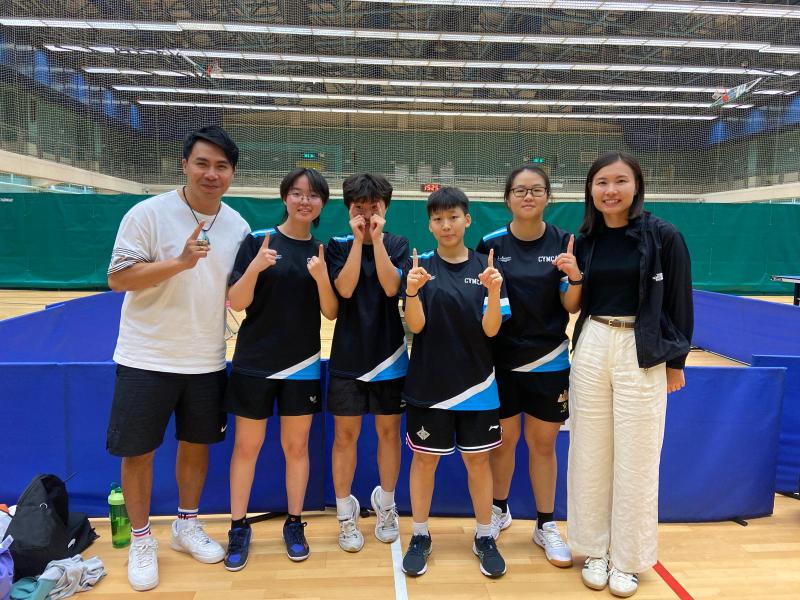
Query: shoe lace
{"type": "Point", "coordinates": [348, 528]}
{"type": "Point", "coordinates": [236, 539]}
{"type": "Point", "coordinates": [553, 538]}
{"type": "Point", "coordinates": [415, 545]}
{"type": "Point", "coordinates": [296, 534]}
{"type": "Point", "coordinates": [387, 517]}
{"type": "Point", "coordinates": [596, 565]}
{"type": "Point", "coordinates": [628, 577]}
{"type": "Point", "coordinates": [144, 553]}
{"type": "Point", "coordinates": [487, 546]}
{"type": "Point", "coordinates": [196, 533]}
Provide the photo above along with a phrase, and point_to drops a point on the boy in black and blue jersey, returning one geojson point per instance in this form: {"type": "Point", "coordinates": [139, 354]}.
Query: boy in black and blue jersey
{"type": "Point", "coordinates": [455, 301]}
{"type": "Point", "coordinates": [369, 356]}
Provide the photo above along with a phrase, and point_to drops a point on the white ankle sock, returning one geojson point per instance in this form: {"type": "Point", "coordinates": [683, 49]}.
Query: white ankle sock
{"type": "Point", "coordinates": [344, 507]}
{"type": "Point", "coordinates": [385, 499]}
{"type": "Point", "coordinates": [420, 528]}
{"type": "Point", "coordinates": [483, 530]}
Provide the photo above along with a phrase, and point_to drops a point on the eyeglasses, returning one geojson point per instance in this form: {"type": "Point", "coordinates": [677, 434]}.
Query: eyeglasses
{"type": "Point", "coordinates": [520, 192]}
{"type": "Point", "coordinates": [297, 196]}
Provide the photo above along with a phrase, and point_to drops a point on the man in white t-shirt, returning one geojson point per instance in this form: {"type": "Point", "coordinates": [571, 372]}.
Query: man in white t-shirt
{"type": "Point", "coordinates": [172, 256]}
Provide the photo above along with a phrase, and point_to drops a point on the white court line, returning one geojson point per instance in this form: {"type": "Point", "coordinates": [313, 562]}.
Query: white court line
{"type": "Point", "coordinates": [400, 592]}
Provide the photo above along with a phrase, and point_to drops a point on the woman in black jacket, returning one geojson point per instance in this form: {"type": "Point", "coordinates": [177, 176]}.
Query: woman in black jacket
{"type": "Point", "coordinates": [630, 341]}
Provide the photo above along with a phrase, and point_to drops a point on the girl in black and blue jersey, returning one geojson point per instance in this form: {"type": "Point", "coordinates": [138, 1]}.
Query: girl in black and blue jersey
{"type": "Point", "coordinates": [280, 278]}
{"type": "Point", "coordinates": [531, 350]}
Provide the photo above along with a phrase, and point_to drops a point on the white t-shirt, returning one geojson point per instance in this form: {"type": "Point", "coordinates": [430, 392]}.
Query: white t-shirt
{"type": "Point", "coordinates": [177, 326]}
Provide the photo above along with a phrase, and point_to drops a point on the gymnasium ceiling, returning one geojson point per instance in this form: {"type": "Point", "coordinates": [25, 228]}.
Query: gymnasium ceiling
{"type": "Point", "coordinates": [415, 58]}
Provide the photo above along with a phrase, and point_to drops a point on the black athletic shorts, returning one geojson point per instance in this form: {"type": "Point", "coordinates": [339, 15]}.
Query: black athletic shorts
{"type": "Point", "coordinates": [439, 431]}
{"type": "Point", "coordinates": [145, 400]}
{"type": "Point", "coordinates": [353, 398]}
{"type": "Point", "coordinates": [254, 397]}
{"type": "Point", "coordinates": [543, 395]}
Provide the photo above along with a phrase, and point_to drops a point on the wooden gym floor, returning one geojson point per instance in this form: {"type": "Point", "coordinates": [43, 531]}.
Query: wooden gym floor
{"type": "Point", "coordinates": [703, 560]}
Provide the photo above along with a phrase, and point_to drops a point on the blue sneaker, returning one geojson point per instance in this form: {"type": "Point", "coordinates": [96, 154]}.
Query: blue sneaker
{"type": "Point", "coordinates": [238, 548]}
{"type": "Point", "coordinates": [295, 539]}
{"type": "Point", "coordinates": [415, 562]}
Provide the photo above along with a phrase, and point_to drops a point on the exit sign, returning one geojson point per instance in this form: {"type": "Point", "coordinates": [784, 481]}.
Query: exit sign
{"type": "Point", "coordinates": [537, 160]}
{"type": "Point", "coordinates": [310, 155]}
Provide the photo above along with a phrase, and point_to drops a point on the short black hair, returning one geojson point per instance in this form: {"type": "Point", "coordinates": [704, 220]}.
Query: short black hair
{"type": "Point", "coordinates": [446, 198]}
{"type": "Point", "coordinates": [213, 134]}
{"type": "Point", "coordinates": [315, 180]}
{"type": "Point", "coordinates": [593, 221]}
{"type": "Point", "coordinates": [526, 167]}
{"type": "Point", "coordinates": [366, 186]}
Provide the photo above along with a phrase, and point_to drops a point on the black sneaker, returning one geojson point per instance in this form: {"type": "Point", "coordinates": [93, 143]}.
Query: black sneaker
{"type": "Point", "coordinates": [295, 539]}
{"type": "Point", "coordinates": [415, 562]}
{"type": "Point", "coordinates": [492, 564]}
{"type": "Point", "coordinates": [238, 548]}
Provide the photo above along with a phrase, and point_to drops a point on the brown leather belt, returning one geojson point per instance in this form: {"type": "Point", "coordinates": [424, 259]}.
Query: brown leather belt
{"type": "Point", "coordinates": [614, 322]}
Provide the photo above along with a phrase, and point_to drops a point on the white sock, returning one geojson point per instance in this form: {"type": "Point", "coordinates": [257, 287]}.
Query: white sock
{"type": "Point", "coordinates": [483, 530]}
{"type": "Point", "coordinates": [344, 507]}
{"type": "Point", "coordinates": [420, 528]}
{"type": "Point", "coordinates": [385, 499]}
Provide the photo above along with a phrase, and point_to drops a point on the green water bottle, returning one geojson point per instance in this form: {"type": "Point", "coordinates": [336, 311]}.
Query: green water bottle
{"type": "Point", "coordinates": [120, 525]}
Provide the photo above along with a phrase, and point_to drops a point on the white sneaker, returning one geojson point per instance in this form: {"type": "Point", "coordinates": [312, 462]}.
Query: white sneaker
{"type": "Point", "coordinates": [595, 572]}
{"type": "Point", "coordinates": [556, 551]}
{"type": "Point", "coordinates": [387, 523]}
{"type": "Point", "coordinates": [622, 584]}
{"type": "Point", "coordinates": [143, 564]}
{"type": "Point", "coordinates": [350, 538]}
{"type": "Point", "coordinates": [189, 536]}
{"type": "Point", "coordinates": [500, 520]}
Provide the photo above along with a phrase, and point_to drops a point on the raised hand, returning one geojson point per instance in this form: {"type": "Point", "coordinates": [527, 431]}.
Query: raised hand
{"type": "Point", "coordinates": [316, 265]}
{"type": "Point", "coordinates": [417, 276]}
{"type": "Point", "coordinates": [376, 225]}
{"type": "Point", "coordinates": [359, 226]}
{"type": "Point", "coordinates": [194, 249]}
{"type": "Point", "coordinates": [566, 262]}
{"type": "Point", "coordinates": [491, 278]}
{"type": "Point", "coordinates": [266, 257]}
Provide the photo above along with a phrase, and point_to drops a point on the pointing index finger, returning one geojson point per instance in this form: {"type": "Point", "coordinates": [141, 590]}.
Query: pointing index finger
{"type": "Point", "coordinates": [571, 243]}
{"type": "Point", "coordinates": [197, 230]}
{"type": "Point", "coordinates": [491, 259]}
{"type": "Point", "coordinates": [414, 259]}
{"type": "Point", "coordinates": [321, 252]}
{"type": "Point", "coordinates": [265, 243]}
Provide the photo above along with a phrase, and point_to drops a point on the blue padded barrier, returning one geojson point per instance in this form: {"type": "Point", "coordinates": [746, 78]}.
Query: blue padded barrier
{"type": "Point", "coordinates": [743, 327]}
{"type": "Point", "coordinates": [80, 330]}
{"type": "Point", "coordinates": [787, 478]}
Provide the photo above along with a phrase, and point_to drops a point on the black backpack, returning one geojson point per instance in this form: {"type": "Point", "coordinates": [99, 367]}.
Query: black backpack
{"type": "Point", "coordinates": [43, 528]}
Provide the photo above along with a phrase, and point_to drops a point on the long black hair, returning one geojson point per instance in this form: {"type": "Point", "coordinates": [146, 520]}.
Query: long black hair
{"type": "Point", "coordinates": [592, 218]}
{"type": "Point", "coordinates": [315, 180]}
{"type": "Point", "coordinates": [526, 167]}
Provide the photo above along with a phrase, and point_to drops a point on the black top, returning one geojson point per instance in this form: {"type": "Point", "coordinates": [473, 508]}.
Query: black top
{"type": "Point", "coordinates": [538, 326]}
{"type": "Point", "coordinates": [279, 337]}
{"type": "Point", "coordinates": [664, 314]}
{"type": "Point", "coordinates": [615, 274]}
{"type": "Point", "coordinates": [368, 342]}
{"type": "Point", "coordinates": [451, 358]}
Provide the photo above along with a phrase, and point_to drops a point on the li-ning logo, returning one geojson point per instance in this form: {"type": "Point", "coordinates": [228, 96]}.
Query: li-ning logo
{"type": "Point", "coordinates": [503, 259]}
{"type": "Point", "coordinates": [494, 427]}
{"type": "Point", "coordinates": [658, 277]}
{"type": "Point", "coordinates": [422, 434]}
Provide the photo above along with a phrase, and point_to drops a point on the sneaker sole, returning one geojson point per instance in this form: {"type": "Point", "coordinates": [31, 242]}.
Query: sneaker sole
{"type": "Point", "coordinates": [375, 510]}
{"type": "Point", "coordinates": [485, 572]}
{"type": "Point", "coordinates": [143, 587]}
{"type": "Point", "coordinates": [205, 560]}
{"type": "Point", "coordinates": [594, 586]}
{"type": "Point", "coordinates": [353, 550]}
{"type": "Point", "coordinates": [619, 594]}
{"type": "Point", "coordinates": [562, 564]}
{"type": "Point", "coordinates": [234, 569]}
{"type": "Point", "coordinates": [298, 558]}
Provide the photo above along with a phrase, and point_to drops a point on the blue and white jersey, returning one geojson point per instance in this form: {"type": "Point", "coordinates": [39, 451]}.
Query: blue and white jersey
{"type": "Point", "coordinates": [534, 339]}
{"type": "Point", "coordinates": [279, 337]}
{"type": "Point", "coordinates": [369, 343]}
{"type": "Point", "coordinates": [451, 358]}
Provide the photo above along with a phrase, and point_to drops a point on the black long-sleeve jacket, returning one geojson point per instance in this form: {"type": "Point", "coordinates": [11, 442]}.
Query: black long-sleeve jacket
{"type": "Point", "coordinates": [665, 314]}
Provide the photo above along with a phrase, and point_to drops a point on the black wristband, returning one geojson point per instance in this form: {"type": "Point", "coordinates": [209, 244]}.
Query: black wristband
{"type": "Point", "coordinates": [575, 281]}
{"type": "Point", "coordinates": [412, 295]}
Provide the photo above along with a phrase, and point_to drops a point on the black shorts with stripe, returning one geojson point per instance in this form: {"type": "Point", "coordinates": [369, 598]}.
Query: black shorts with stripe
{"type": "Point", "coordinates": [440, 431]}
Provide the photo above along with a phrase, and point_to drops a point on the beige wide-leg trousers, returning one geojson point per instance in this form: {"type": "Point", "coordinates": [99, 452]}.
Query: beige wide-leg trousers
{"type": "Point", "coordinates": [617, 415]}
